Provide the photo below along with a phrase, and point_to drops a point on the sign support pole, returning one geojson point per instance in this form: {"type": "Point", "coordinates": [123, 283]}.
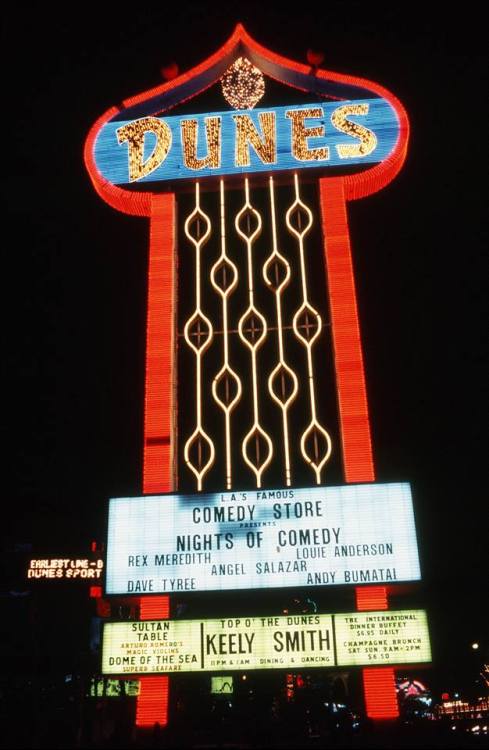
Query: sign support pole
{"type": "Point", "coordinates": [378, 683]}
{"type": "Point", "coordinates": [158, 475]}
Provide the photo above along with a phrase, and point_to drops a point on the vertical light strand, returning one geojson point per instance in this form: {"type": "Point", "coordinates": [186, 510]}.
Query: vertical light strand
{"type": "Point", "coordinates": [224, 279]}
{"type": "Point", "coordinates": [282, 382]}
{"type": "Point", "coordinates": [198, 334]}
{"type": "Point", "coordinates": [358, 462]}
{"type": "Point", "coordinates": [252, 330]}
{"type": "Point", "coordinates": [307, 325]}
{"type": "Point", "coordinates": [153, 698]}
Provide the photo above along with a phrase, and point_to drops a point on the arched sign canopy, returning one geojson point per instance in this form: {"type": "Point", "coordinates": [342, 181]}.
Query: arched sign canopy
{"type": "Point", "coordinates": [353, 127]}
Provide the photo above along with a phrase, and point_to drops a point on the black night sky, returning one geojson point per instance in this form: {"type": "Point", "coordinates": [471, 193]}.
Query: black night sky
{"type": "Point", "coordinates": [75, 274]}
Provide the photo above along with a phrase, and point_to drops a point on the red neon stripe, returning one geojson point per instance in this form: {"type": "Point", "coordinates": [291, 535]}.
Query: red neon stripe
{"type": "Point", "coordinates": [371, 598]}
{"type": "Point", "coordinates": [154, 692]}
{"type": "Point", "coordinates": [379, 687]}
{"type": "Point", "coordinates": [154, 608]}
{"type": "Point", "coordinates": [152, 701]}
{"type": "Point", "coordinates": [350, 380]}
{"type": "Point", "coordinates": [379, 684]}
{"type": "Point", "coordinates": [157, 465]}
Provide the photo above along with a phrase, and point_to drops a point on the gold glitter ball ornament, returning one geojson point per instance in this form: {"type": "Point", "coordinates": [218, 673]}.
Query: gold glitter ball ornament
{"type": "Point", "coordinates": [243, 85]}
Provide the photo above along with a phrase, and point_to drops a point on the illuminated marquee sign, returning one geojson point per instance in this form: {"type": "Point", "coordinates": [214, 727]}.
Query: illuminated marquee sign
{"type": "Point", "coordinates": [66, 569]}
{"type": "Point", "coordinates": [388, 637]}
{"type": "Point", "coordinates": [153, 149]}
{"type": "Point", "coordinates": [292, 642]}
{"type": "Point", "coordinates": [262, 539]}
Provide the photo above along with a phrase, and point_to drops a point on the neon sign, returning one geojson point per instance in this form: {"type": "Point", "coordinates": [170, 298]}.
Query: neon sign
{"type": "Point", "coordinates": [239, 65]}
{"type": "Point", "coordinates": [156, 149]}
{"type": "Point", "coordinates": [261, 539]}
{"type": "Point", "coordinates": [247, 643]}
{"type": "Point", "coordinates": [66, 569]}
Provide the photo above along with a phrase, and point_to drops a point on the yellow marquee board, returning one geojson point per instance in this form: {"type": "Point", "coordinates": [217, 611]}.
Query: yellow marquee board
{"type": "Point", "coordinates": [387, 637]}
{"type": "Point", "coordinates": [246, 643]}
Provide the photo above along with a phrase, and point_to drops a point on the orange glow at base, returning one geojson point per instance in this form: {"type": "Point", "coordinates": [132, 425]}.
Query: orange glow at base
{"type": "Point", "coordinates": [152, 702]}
{"type": "Point", "coordinates": [380, 693]}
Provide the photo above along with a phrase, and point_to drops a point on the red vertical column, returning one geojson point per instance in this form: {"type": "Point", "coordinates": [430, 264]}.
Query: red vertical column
{"type": "Point", "coordinates": [154, 692]}
{"type": "Point", "coordinates": [152, 702]}
{"type": "Point", "coordinates": [379, 684]}
{"type": "Point", "coordinates": [350, 379]}
{"type": "Point", "coordinates": [158, 400]}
